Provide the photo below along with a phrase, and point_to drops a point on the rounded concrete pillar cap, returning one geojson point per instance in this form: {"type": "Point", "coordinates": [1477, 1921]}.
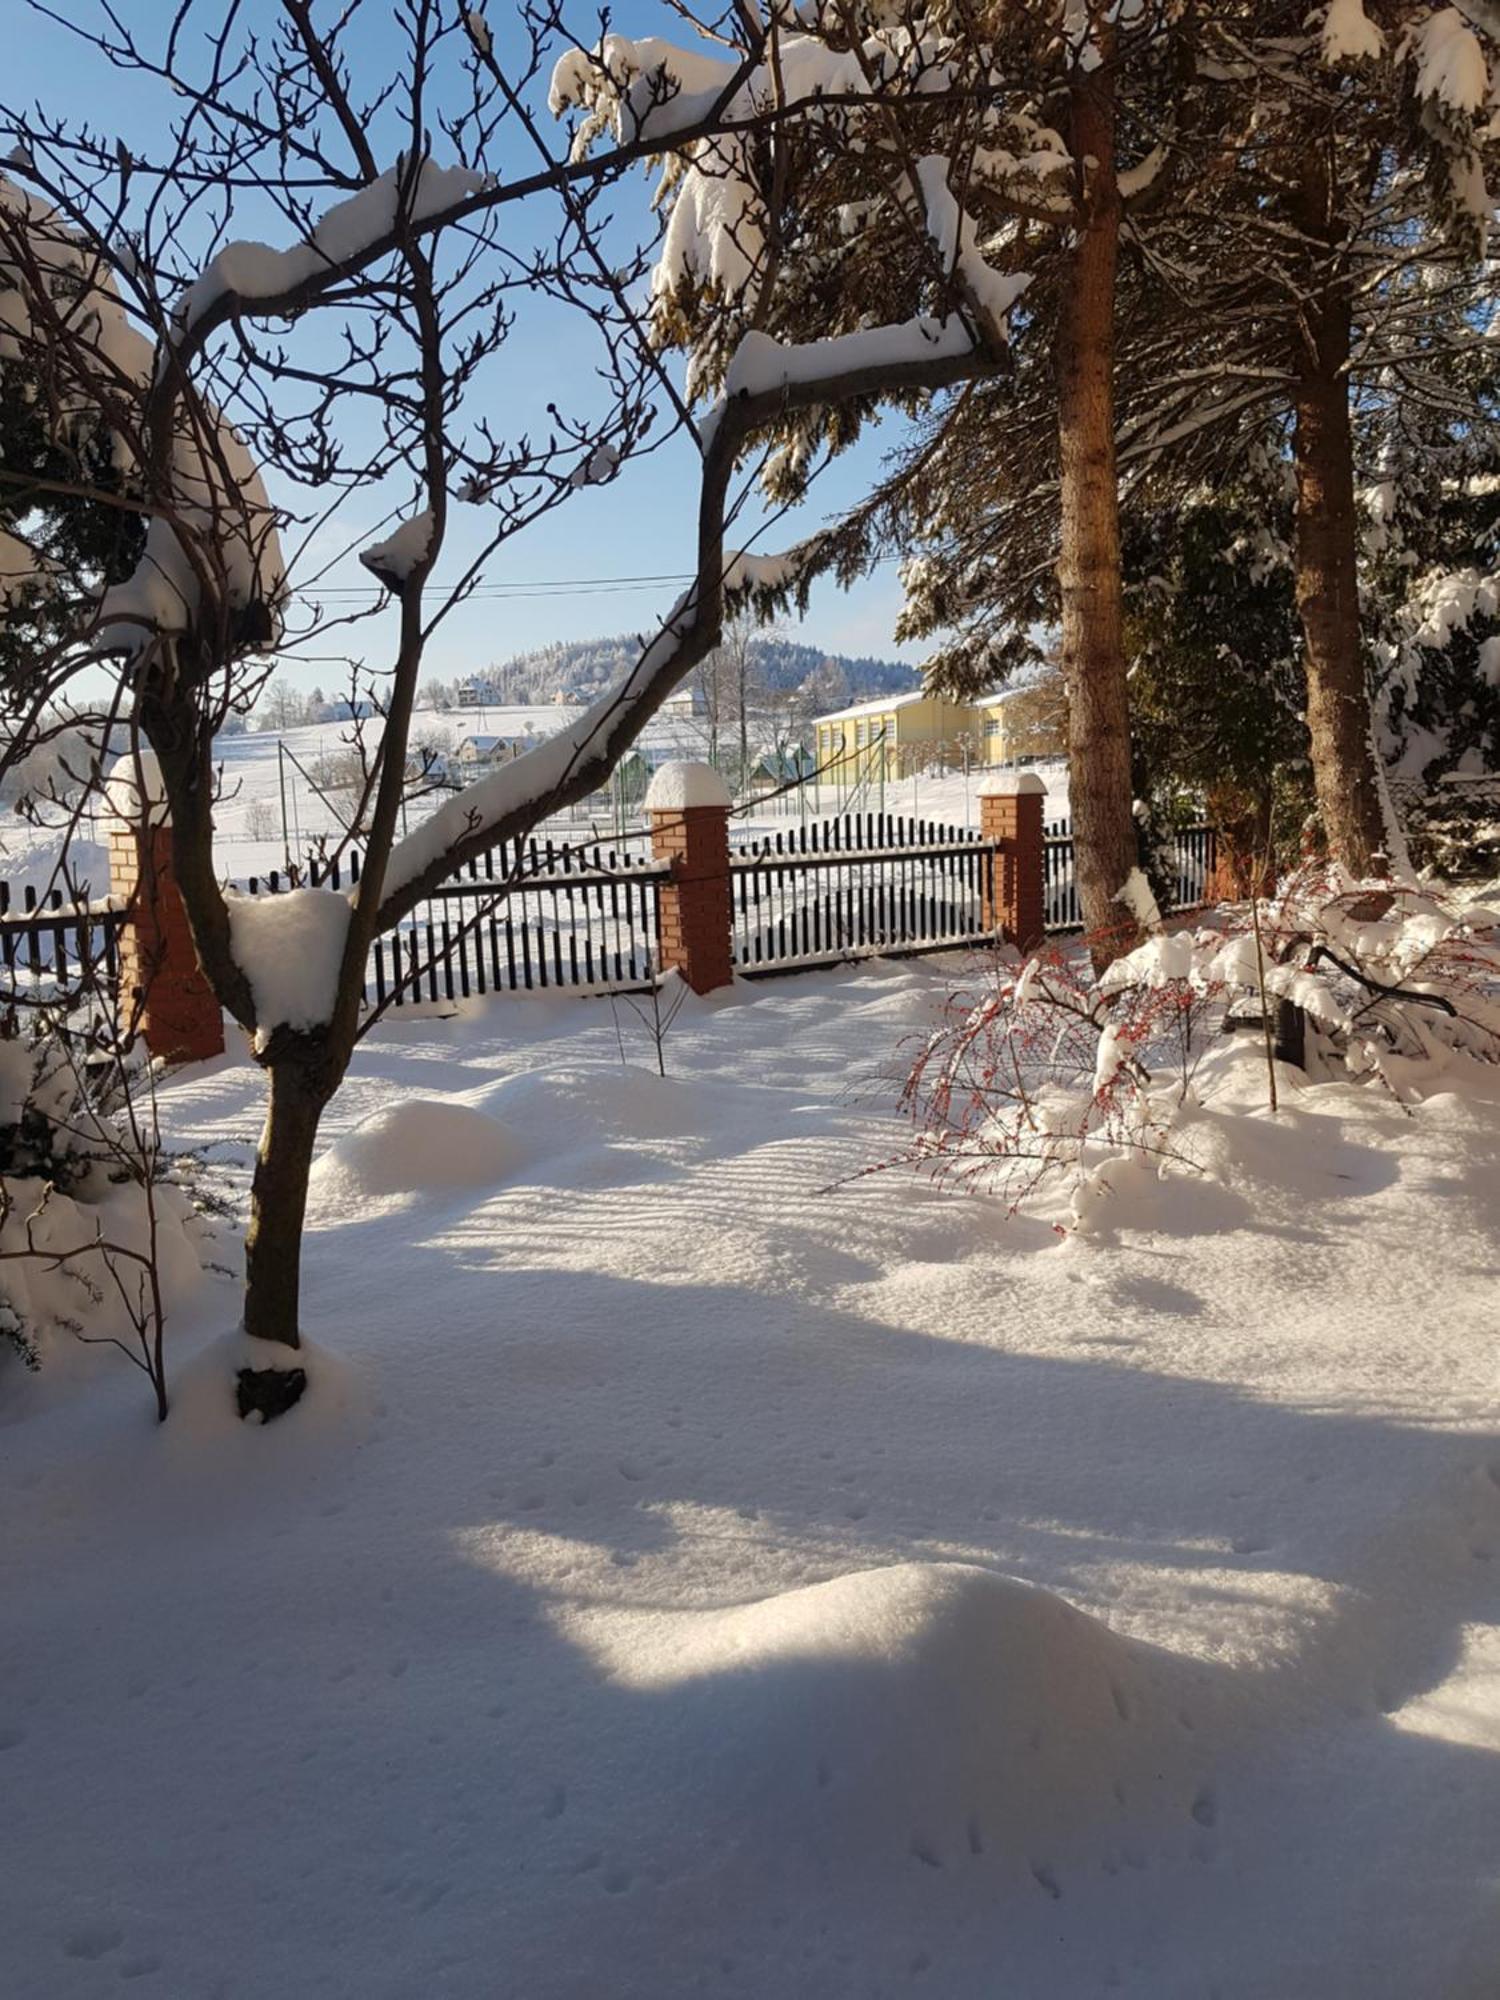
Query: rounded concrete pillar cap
{"type": "Point", "coordinates": [682, 787]}
{"type": "Point", "coordinates": [1011, 785]}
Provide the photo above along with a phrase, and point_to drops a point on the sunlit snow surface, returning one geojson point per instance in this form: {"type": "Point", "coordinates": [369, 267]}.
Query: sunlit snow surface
{"type": "Point", "coordinates": [682, 1581]}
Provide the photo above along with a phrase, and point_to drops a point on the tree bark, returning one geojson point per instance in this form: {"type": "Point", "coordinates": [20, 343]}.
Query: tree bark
{"type": "Point", "coordinates": [1338, 696]}
{"type": "Point", "coordinates": [273, 1242]}
{"type": "Point", "coordinates": [1088, 568]}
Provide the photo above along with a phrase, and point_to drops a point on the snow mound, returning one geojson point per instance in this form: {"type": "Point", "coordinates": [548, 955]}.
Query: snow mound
{"type": "Point", "coordinates": [938, 1709]}
{"type": "Point", "coordinates": [202, 1392]}
{"type": "Point", "coordinates": [416, 1144]}
{"type": "Point", "coordinates": [568, 1105]}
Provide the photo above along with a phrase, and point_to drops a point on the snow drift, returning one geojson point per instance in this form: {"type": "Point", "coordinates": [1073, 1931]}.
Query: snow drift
{"type": "Point", "coordinates": [416, 1144]}
{"type": "Point", "coordinates": [936, 1710]}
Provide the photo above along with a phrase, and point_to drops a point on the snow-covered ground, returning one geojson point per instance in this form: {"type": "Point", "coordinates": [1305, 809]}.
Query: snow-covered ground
{"type": "Point", "coordinates": [680, 1581]}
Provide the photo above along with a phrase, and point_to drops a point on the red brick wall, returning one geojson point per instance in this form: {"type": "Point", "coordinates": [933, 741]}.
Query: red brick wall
{"type": "Point", "coordinates": [163, 994]}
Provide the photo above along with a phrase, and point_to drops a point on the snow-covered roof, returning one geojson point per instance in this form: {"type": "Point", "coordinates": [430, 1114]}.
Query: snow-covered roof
{"type": "Point", "coordinates": [484, 743]}
{"type": "Point", "coordinates": [881, 707]}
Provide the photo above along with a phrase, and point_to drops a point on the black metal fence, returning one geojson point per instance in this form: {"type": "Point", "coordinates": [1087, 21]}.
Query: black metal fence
{"type": "Point", "coordinates": [540, 914]}
{"type": "Point", "coordinates": [529, 915]}
{"type": "Point", "coordinates": [856, 886]}
{"type": "Point", "coordinates": [1189, 865]}
{"type": "Point", "coordinates": [51, 946]}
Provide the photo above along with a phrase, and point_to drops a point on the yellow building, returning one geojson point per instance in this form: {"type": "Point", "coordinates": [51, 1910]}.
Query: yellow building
{"type": "Point", "coordinates": [1022, 725]}
{"type": "Point", "coordinates": [911, 733]}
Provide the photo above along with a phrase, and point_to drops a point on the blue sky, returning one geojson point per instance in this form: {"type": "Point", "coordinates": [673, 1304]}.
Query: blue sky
{"type": "Point", "coordinates": [640, 524]}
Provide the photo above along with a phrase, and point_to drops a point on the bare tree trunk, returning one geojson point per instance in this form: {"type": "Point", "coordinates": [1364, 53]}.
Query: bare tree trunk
{"type": "Point", "coordinates": [1088, 568]}
{"type": "Point", "coordinates": [1338, 697]}
{"type": "Point", "coordinates": [273, 1242]}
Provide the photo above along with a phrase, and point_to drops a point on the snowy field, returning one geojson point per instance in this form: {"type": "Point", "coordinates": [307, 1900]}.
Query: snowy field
{"type": "Point", "coordinates": [681, 1582]}
{"type": "Point", "coordinates": [256, 781]}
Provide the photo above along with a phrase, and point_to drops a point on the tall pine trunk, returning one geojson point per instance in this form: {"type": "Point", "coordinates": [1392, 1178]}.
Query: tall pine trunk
{"type": "Point", "coordinates": [273, 1242]}
{"type": "Point", "coordinates": [1338, 696]}
{"type": "Point", "coordinates": [1088, 568]}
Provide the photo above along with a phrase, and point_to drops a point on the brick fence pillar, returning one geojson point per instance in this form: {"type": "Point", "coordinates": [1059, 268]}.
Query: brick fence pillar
{"type": "Point", "coordinates": [162, 992]}
{"type": "Point", "coordinates": [1010, 811]}
{"type": "Point", "coordinates": [688, 807]}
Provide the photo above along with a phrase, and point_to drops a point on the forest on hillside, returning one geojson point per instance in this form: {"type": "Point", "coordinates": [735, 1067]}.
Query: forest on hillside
{"type": "Point", "coordinates": [585, 667]}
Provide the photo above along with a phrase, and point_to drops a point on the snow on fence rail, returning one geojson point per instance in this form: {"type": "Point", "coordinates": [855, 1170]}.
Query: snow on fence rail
{"type": "Point", "coordinates": [51, 945]}
{"type": "Point", "coordinates": [853, 887]}
{"type": "Point", "coordinates": [1192, 857]}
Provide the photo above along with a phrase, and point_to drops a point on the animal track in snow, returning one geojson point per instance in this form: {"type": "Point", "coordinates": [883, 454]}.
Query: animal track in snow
{"type": "Point", "coordinates": [91, 1941]}
{"type": "Point", "coordinates": [1045, 1879]}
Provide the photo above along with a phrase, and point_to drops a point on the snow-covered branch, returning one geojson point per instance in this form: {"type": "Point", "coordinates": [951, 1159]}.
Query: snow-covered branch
{"type": "Point", "coordinates": [772, 381]}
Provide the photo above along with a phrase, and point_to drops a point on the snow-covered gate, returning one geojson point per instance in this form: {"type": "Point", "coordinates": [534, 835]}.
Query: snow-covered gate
{"type": "Point", "coordinates": [866, 884]}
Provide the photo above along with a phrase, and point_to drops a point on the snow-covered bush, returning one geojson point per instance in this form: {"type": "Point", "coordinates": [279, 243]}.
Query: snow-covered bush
{"type": "Point", "coordinates": [1043, 1073]}
{"type": "Point", "coordinates": [1454, 828]}
{"type": "Point", "coordinates": [1370, 979]}
{"type": "Point", "coordinates": [1047, 1077]}
{"type": "Point", "coordinates": [100, 1227]}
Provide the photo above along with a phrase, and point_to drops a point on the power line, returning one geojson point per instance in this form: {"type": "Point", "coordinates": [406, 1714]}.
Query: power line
{"type": "Point", "coordinates": [556, 586]}
{"type": "Point", "coordinates": [542, 587]}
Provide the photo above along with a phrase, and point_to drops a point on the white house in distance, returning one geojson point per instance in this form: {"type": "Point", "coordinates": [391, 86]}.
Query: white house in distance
{"type": "Point", "coordinates": [483, 752]}
{"type": "Point", "coordinates": [685, 702]}
{"type": "Point", "coordinates": [478, 691]}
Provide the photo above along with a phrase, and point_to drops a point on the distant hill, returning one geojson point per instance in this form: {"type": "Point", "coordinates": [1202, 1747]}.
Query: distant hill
{"type": "Point", "coordinates": [582, 668]}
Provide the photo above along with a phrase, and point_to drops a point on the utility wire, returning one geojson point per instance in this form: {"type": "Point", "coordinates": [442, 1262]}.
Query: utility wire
{"type": "Point", "coordinates": [582, 586]}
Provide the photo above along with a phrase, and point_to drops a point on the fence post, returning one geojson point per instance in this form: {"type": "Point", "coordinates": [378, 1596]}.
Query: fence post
{"type": "Point", "coordinates": [160, 986]}
{"type": "Point", "coordinates": [688, 807]}
{"type": "Point", "coordinates": [1010, 812]}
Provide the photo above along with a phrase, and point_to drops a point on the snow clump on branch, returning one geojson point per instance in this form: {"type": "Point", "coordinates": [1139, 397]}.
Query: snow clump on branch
{"type": "Point", "coordinates": [61, 315]}
{"type": "Point", "coordinates": [289, 947]}
{"type": "Point", "coordinates": [719, 214]}
{"type": "Point", "coordinates": [394, 559]}
{"type": "Point", "coordinates": [344, 234]}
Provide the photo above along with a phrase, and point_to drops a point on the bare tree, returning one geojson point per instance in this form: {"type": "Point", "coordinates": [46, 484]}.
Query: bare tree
{"type": "Point", "coordinates": [207, 375]}
{"type": "Point", "coordinates": [727, 684]}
